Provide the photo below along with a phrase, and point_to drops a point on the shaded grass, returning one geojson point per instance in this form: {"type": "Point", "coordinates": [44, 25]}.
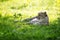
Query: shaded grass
{"type": "Point", "coordinates": [9, 30]}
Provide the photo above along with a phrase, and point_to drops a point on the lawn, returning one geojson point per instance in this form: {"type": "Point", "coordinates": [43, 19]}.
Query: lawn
{"type": "Point", "coordinates": [12, 10]}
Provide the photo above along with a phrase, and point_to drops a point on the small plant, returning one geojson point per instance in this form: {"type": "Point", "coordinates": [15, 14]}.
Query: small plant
{"type": "Point", "coordinates": [20, 16]}
{"type": "Point", "coordinates": [13, 7]}
{"type": "Point", "coordinates": [17, 16]}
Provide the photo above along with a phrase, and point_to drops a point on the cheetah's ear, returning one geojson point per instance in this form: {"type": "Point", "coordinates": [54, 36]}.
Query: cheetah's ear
{"type": "Point", "coordinates": [45, 14]}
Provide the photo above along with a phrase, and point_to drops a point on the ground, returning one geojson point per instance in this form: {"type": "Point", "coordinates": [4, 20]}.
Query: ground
{"type": "Point", "coordinates": [10, 10]}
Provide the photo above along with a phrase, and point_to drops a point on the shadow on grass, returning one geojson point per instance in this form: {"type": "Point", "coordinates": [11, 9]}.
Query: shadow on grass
{"type": "Point", "coordinates": [9, 31]}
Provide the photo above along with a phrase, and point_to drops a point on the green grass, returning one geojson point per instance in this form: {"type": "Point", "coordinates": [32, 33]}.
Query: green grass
{"type": "Point", "coordinates": [9, 30]}
{"type": "Point", "coordinates": [10, 10]}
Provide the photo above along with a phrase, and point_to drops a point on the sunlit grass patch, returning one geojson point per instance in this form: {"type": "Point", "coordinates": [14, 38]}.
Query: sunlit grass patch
{"type": "Point", "coordinates": [53, 17]}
